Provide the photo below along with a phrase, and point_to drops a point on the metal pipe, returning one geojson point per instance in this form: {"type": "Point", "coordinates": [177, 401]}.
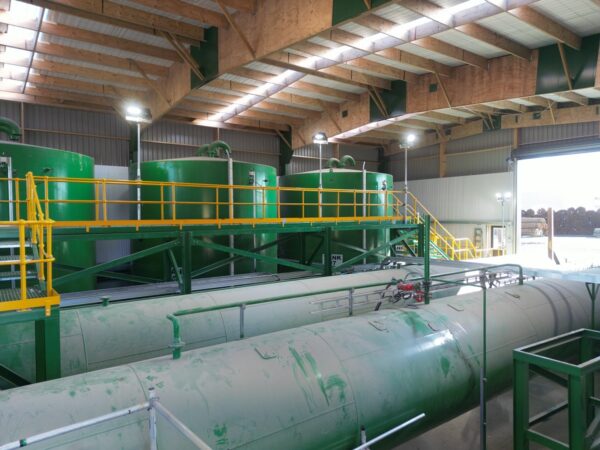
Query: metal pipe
{"type": "Point", "coordinates": [405, 184]}
{"type": "Point", "coordinates": [74, 427]}
{"type": "Point", "coordinates": [231, 209]}
{"type": "Point", "coordinates": [314, 377]}
{"type": "Point", "coordinates": [320, 180]}
{"type": "Point", "coordinates": [381, 437]}
{"type": "Point", "coordinates": [364, 208]}
{"type": "Point", "coordinates": [98, 332]}
{"type": "Point", "coordinates": [12, 130]}
{"type": "Point", "coordinates": [138, 176]}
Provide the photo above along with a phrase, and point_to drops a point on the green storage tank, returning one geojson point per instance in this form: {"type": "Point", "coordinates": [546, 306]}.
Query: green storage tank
{"type": "Point", "coordinates": [210, 169]}
{"type": "Point", "coordinates": [338, 178]}
{"type": "Point", "coordinates": [51, 162]}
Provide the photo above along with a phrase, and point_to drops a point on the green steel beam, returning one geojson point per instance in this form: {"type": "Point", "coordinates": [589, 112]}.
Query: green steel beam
{"type": "Point", "coordinates": [164, 232]}
{"type": "Point", "coordinates": [351, 261]}
{"type": "Point", "coordinates": [355, 248]}
{"type": "Point", "coordinates": [328, 264]}
{"type": "Point", "coordinates": [257, 256]}
{"type": "Point", "coordinates": [173, 262]}
{"type": "Point", "coordinates": [13, 378]}
{"type": "Point", "coordinates": [225, 261]}
{"type": "Point", "coordinates": [315, 252]}
{"type": "Point", "coordinates": [22, 316]}
{"type": "Point", "coordinates": [115, 262]}
{"type": "Point", "coordinates": [47, 346]}
{"type": "Point", "coordinates": [186, 262]}
{"type": "Point", "coordinates": [112, 275]}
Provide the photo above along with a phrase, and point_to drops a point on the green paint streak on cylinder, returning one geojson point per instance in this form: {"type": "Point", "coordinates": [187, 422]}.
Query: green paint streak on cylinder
{"type": "Point", "coordinates": [51, 162]}
{"type": "Point", "coordinates": [338, 179]}
{"type": "Point", "coordinates": [209, 171]}
{"type": "Point", "coordinates": [389, 373]}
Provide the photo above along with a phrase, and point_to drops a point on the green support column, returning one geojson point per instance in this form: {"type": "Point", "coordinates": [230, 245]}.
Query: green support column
{"type": "Point", "coordinates": [421, 241]}
{"type": "Point", "coordinates": [521, 405]}
{"type": "Point", "coordinates": [47, 347]}
{"type": "Point", "coordinates": [327, 267]}
{"type": "Point", "coordinates": [302, 247]}
{"type": "Point", "coordinates": [577, 413]}
{"type": "Point", "coordinates": [426, 257]}
{"type": "Point", "coordinates": [186, 262]}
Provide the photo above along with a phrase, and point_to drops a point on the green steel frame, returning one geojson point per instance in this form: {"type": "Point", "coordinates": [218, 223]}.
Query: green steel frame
{"type": "Point", "coordinates": [47, 343]}
{"type": "Point", "coordinates": [183, 239]}
{"type": "Point", "coordinates": [549, 358]}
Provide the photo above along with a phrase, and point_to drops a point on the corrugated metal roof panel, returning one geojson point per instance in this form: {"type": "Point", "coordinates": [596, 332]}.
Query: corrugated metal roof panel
{"type": "Point", "coordinates": [333, 84]}
{"type": "Point", "coordinates": [396, 64]}
{"type": "Point", "coordinates": [112, 30]}
{"type": "Point", "coordinates": [420, 51]}
{"type": "Point", "coordinates": [580, 16]}
{"type": "Point", "coordinates": [99, 48]}
{"type": "Point", "coordinates": [509, 26]}
{"type": "Point", "coordinates": [397, 13]}
{"type": "Point", "coordinates": [491, 139]}
{"type": "Point", "coordinates": [468, 43]}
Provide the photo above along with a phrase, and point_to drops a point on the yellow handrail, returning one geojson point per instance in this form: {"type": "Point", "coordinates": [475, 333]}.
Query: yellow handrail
{"type": "Point", "coordinates": [39, 229]}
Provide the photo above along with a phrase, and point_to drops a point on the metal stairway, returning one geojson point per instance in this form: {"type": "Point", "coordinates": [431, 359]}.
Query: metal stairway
{"type": "Point", "coordinates": [443, 244]}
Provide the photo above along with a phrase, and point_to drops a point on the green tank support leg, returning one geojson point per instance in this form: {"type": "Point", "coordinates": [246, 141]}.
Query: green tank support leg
{"type": "Point", "coordinates": [327, 267]}
{"type": "Point", "coordinates": [47, 346]}
{"type": "Point", "coordinates": [186, 262]}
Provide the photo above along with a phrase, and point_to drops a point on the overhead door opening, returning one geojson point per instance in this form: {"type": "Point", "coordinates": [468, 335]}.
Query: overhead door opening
{"type": "Point", "coordinates": [566, 189]}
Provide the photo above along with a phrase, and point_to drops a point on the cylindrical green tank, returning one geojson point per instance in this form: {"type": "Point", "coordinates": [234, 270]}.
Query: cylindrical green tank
{"type": "Point", "coordinates": [95, 337]}
{"type": "Point", "coordinates": [210, 170]}
{"type": "Point", "coordinates": [312, 387]}
{"type": "Point", "coordinates": [51, 162]}
{"type": "Point", "coordinates": [380, 204]}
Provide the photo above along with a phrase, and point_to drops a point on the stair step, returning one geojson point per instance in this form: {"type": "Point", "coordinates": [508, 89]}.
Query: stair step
{"type": "Point", "coordinates": [16, 275]}
{"type": "Point", "coordinates": [9, 295]}
{"type": "Point", "coordinates": [13, 244]}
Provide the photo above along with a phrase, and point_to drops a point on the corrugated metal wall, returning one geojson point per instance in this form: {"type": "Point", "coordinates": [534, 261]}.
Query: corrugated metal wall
{"type": "Point", "coordinates": [105, 136]}
{"type": "Point", "coordinates": [307, 157]}
{"type": "Point", "coordinates": [554, 133]}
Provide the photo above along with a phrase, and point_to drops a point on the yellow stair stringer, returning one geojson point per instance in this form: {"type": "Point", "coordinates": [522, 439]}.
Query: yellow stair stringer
{"type": "Point", "coordinates": [455, 248]}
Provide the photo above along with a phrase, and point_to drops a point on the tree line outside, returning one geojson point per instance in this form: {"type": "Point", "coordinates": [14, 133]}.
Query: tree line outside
{"type": "Point", "coordinates": [571, 221]}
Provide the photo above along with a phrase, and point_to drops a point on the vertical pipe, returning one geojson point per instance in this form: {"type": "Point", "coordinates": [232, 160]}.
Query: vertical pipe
{"type": "Point", "coordinates": [320, 180]}
{"type": "Point", "coordinates": [139, 173]}
{"type": "Point", "coordinates": [406, 185]}
{"type": "Point", "coordinates": [426, 256]}
{"type": "Point", "coordinates": [520, 405]}
{"type": "Point", "coordinates": [152, 398]}
{"type": "Point", "coordinates": [364, 208]}
{"type": "Point", "coordinates": [231, 210]}
{"type": "Point", "coordinates": [22, 261]}
{"type": "Point", "coordinates": [11, 216]}
{"type": "Point", "coordinates": [483, 379]}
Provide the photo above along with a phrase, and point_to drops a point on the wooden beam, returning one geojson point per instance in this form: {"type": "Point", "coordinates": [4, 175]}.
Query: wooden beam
{"type": "Point", "coordinates": [332, 116]}
{"type": "Point", "coordinates": [511, 106]}
{"type": "Point", "coordinates": [354, 41]}
{"type": "Point", "coordinates": [575, 97]}
{"type": "Point", "coordinates": [390, 28]}
{"type": "Point", "coordinates": [188, 10]}
{"type": "Point", "coordinates": [85, 87]}
{"type": "Point", "coordinates": [444, 91]}
{"type": "Point", "coordinates": [237, 29]}
{"type": "Point", "coordinates": [293, 62]}
{"type": "Point", "coordinates": [101, 59]}
{"type": "Point", "coordinates": [442, 158]}
{"type": "Point", "coordinates": [565, 65]}
{"type": "Point", "coordinates": [154, 85]}
{"type": "Point", "coordinates": [441, 116]}
{"type": "Point", "coordinates": [559, 116]}
{"type": "Point", "coordinates": [115, 14]}
{"type": "Point", "coordinates": [92, 37]}
{"type": "Point", "coordinates": [248, 6]}
{"type": "Point", "coordinates": [538, 101]}
{"type": "Point", "coordinates": [92, 74]}
{"type": "Point", "coordinates": [184, 55]}
{"type": "Point", "coordinates": [483, 34]}
{"type": "Point", "coordinates": [543, 23]}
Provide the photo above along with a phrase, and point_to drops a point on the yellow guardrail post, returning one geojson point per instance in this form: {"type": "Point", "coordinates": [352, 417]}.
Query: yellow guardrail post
{"type": "Point", "coordinates": [22, 260]}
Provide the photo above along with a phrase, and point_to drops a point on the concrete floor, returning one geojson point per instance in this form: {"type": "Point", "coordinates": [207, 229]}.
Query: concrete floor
{"type": "Point", "coordinates": [463, 431]}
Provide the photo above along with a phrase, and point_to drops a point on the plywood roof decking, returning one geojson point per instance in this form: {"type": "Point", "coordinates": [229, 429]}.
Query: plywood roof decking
{"type": "Point", "coordinates": [101, 57]}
